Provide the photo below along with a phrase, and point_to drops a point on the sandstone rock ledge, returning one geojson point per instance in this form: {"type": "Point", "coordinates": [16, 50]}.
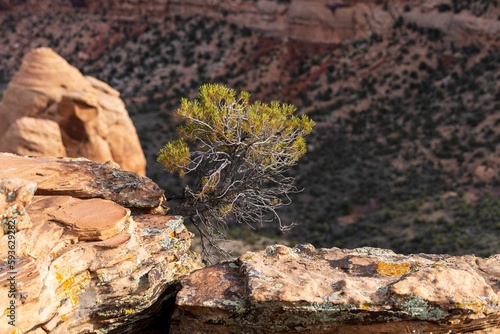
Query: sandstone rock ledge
{"type": "Point", "coordinates": [89, 258]}
{"type": "Point", "coordinates": [365, 290]}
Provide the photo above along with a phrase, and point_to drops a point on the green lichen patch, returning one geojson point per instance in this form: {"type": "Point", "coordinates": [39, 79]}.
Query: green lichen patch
{"type": "Point", "coordinates": [420, 309]}
{"type": "Point", "coordinates": [176, 224]}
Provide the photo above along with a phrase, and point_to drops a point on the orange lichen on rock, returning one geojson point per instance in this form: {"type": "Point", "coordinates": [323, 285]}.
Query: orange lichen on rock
{"type": "Point", "coordinates": [393, 269]}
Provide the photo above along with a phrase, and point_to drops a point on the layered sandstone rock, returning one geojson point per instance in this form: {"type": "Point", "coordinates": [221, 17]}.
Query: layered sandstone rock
{"type": "Point", "coordinates": [83, 178]}
{"type": "Point", "coordinates": [365, 290]}
{"type": "Point", "coordinates": [86, 255]}
{"type": "Point", "coordinates": [50, 109]}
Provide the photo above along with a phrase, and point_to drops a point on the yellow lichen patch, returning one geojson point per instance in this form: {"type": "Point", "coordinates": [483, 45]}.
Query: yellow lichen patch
{"type": "Point", "coordinates": [68, 284]}
{"type": "Point", "coordinates": [59, 276]}
{"type": "Point", "coordinates": [393, 269]}
{"type": "Point", "coordinates": [477, 307]}
{"type": "Point", "coordinates": [129, 311]}
{"type": "Point", "coordinates": [74, 300]}
{"type": "Point", "coordinates": [437, 265]}
{"type": "Point", "coordinates": [64, 317]}
{"type": "Point", "coordinates": [70, 287]}
{"type": "Point", "coordinates": [366, 307]}
{"type": "Point", "coordinates": [180, 268]}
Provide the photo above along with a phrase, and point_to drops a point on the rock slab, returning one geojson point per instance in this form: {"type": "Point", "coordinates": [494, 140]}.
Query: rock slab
{"type": "Point", "coordinates": [364, 290]}
{"type": "Point", "coordinates": [83, 178]}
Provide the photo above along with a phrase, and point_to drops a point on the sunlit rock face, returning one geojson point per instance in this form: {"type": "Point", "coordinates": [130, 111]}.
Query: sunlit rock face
{"type": "Point", "coordinates": [50, 109]}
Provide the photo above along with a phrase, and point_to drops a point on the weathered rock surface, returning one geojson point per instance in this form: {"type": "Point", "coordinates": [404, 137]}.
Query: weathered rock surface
{"type": "Point", "coordinates": [33, 136]}
{"type": "Point", "coordinates": [91, 119]}
{"type": "Point", "coordinates": [82, 265]}
{"type": "Point", "coordinates": [365, 290]}
{"type": "Point", "coordinates": [83, 178]}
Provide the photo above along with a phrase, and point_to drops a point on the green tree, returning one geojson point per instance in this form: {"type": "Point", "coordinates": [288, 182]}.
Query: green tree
{"type": "Point", "coordinates": [239, 152]}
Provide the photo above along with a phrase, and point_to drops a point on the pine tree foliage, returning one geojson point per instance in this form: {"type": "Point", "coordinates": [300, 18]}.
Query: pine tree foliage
{"type": "Point", "coordinates": [240, 152]}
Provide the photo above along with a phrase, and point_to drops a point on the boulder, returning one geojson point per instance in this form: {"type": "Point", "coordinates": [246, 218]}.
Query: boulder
{"type": "Point", "coordinates": [364, 290]}
{"type": "Point", "coordinates": [92, 119]}
{"type": "Point", "coordinates": [74, 264]}
{"type": "Point", "coordinates": [33, 136]}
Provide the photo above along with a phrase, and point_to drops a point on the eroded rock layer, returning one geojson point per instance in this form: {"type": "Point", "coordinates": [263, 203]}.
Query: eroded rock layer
{"type": "Point", "coordinates": [317, 21]}
{"type": "Point", "coordinates": [79, 252]}
{"type": "Point", "coordinates": [365, 290]}
{"type": "Point", "coordinates": [83, 178]}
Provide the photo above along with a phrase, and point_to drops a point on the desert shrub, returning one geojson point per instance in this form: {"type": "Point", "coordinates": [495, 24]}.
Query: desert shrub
{"type": "Point", "coordinates": [240, 152]}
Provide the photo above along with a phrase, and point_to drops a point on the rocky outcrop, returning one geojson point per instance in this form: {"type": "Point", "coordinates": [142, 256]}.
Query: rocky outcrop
{"type": "Point", "coordinates": [365, 290]}
{"type": "Point", "coordinates": [461, 28]}
{"type": "Point", "coordinates": [81, 251]}
{"type": "Point", "coordinates": [83, 178]}
{"type": "Point", "coordinates": [50, 109]}
{"type": "Point", "coordinates": [303, 20]}
{"type": "Point", "coordinates": [316, 21]}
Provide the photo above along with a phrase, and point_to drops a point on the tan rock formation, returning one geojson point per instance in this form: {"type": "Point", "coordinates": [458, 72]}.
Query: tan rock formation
{"type": "Point", "coordinates": [33, 136]}
{"type": "Point", "coordinates": [83, 217]}
{"type": "Point", "coordinates": [84, 265]}
{"type": "Point", "coordinates": [462, 28]}
{"type": "Point", "coordinates": [365, 290]}
{"type": "Point", "coordinates": [91, 117]}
